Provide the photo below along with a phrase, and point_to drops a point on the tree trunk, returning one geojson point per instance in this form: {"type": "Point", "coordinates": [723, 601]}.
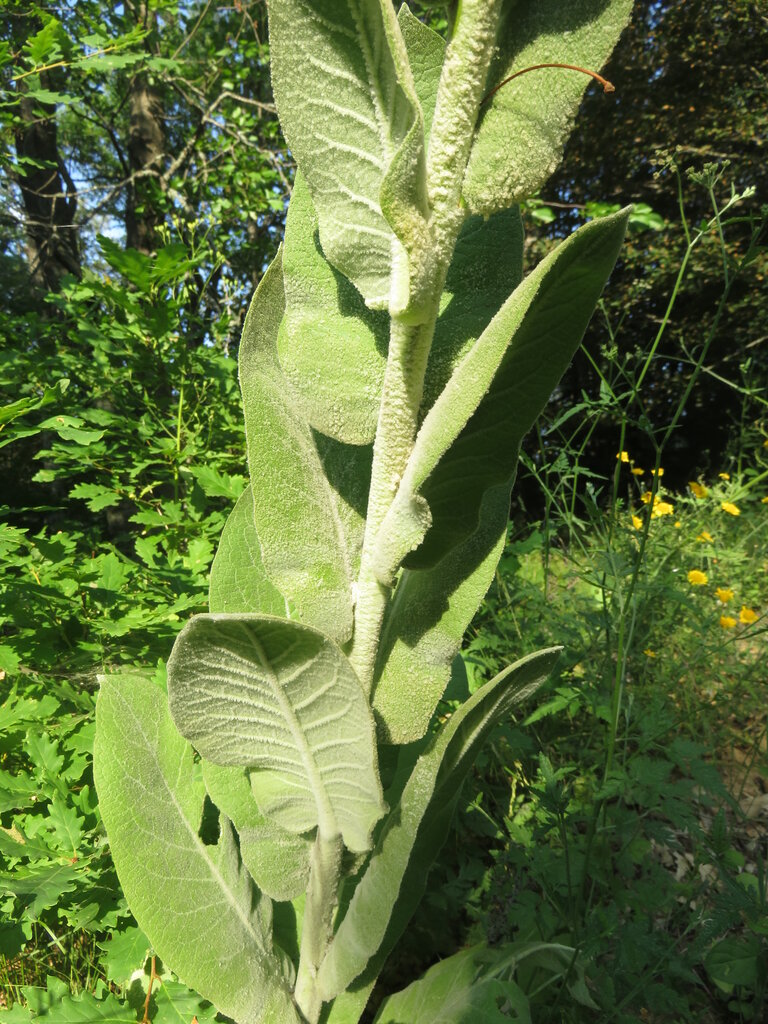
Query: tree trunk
{"type": "Point", "coordinates": [146, 150]}
{"type": "Point", "coordinates": [49, 196]}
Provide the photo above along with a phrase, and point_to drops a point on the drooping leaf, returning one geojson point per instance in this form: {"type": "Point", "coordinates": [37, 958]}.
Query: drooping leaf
{"type": "Point", "coordinates": [239, 582]}
{"type": "Point", "coordinates": [470, 439]}
{"type": "Point", "coordinates": [302, 540]}
{"type": "Point", "coordinates": [523, 127]}
{"type": "Point", "coordinates": [426, 621]}
{"type": "Point", "coordinates": [414, 831]}
{"type": "Point", "coordinates": [194, 901]}
{"type": "Point", "coordinates": [260, 692]}
{"type": "Point", "coordinates": [465, 988]}
{"type": "Point", "coordinates": [327, 324]}
{"type": "Point", "coordinates": [358, 139]}
{"type": "Point", "coordinates": [277, 859]}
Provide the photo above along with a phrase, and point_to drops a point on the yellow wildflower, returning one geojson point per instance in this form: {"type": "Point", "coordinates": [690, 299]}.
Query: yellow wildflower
{"type": "Point", "coordinates": [765, 443]}
{"type": "Point", "coordinates": [636, 471]}
{"type": "Point", "coordinates": [724, 594]}
{"type": "Point", "coordinates": [764, 500]}
{"type": "Point", "coordinates": [623, 456]}
{"type": "Point", "coordinates": [727, 621]}
{"type": "Point", "coordinates": [662, 508]}
{"type": "Point", "coordinates": [724, 476]}
{"type": "Point", "coordinates": [697, 578]}
{"type": "Point", "coordinates": [658, 472]}
{"type": "Point", "coordinates": [646, 496]}
{"type": "Point", "coordinates": [699, 490]}
{"type": "Point", "coordinates": [730, 508]}
{"type": "Point", "coordinates": [637, 522]}
{"type": "Point", "coordinates": [649, 653]}
{"type": "Point", "coordinates": [706, 537]}
{"type": "Point", "coordinates": [678, 525]}
{"type": "Point", "coordinates": [747, 615]}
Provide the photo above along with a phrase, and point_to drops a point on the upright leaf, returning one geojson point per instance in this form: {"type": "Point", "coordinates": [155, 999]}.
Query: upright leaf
{"type": "Point", "coordinates": [302, 541]}
{"type": "Point", "coordinates": [239, 582]}
{"type": "Point", "coordinates": [470, 439]}
{"type": "Point", "coordinates": [426, 621]}
{"type": "Point", "coordinates": [195, 902]}
{"type": "Point", "coordinates": [358, 138]}
{"type": "Point", "coordinates": [393, 883]}
{"type": "Point", "coordinates": [326, 325]}
{"type": "Point", "coordinates": [426, 53]}
{"type": "Point", "coordinates": [524, 126]}
{"type": "Point", "coordinates": [264, 693]}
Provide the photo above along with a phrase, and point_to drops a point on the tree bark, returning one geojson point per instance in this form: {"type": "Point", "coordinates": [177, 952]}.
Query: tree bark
{"type": "Point", "coordinates": [146, 151]}
{"type": "Point", "coordinates": [48, 194]}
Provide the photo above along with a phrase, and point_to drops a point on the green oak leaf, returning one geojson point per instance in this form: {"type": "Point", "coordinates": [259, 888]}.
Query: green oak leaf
{"type": "Point", "coordinates": [195, 902]}
{"type": "Point", "coordinates": [264, 693]}
{"type": "Point", "coordinates": [303, 547]}
{"type": "Point", "coordinates": [523, 128]}
{"type": "Point", "coordinates": [394, 880]}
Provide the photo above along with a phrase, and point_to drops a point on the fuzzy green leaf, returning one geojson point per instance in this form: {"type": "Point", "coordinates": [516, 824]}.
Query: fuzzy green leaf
{"type": "Point", "coordinates": [260, 692]}
{"type": "Point", "coordinates": [393, 882]}
{"type": "Point", "coordinates": [277, 859]}
{"type": "Point", "coordinates": [326, 325]}
{"type": "Point", "coordinates": [239, 582]}
{"type": "Point", "coordinates": [302, 540]}
{"type": "Point", "coordinates": [358, 138]}
{"type": "Point", "coordinates": [465, 988]}
{"type": "Point", "coordinates": [426, 621]}
{"type": "Point", "coordinates": [470, 439]}
{"type": "Point", "coordinates": [195, 902]}
{"type": "Point", "coordinates": [426, 52]}
{"type": "Point", "coordinates": [524, 126]}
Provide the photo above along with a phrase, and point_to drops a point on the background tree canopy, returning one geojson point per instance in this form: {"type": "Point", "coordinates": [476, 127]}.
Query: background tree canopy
{"type": "Point", "coordinates": [144, 179]}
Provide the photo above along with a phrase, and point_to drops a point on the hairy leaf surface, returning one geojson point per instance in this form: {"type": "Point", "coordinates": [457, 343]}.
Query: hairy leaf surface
{"type": "Point", "coordinates": [302, 540]}
{"type": "Point", "coordinates": [179, 889]}
{"type": "Point", "coordinates": [470, 439]}
{"type": "Point", "coordinates": [524, 126]}
{"type": "Point", "coordinates": [358, 138]}
{"type": "Point", "coordinates": [239, 582]}
{"type": "Point", "coordinates": [426, 621]}
{"type": "Point", "coordinates": [327, 325]}
{"type": "Point", "coordinates": [265, 693]}
{"type": "Point", "coordinates": [414, 831]}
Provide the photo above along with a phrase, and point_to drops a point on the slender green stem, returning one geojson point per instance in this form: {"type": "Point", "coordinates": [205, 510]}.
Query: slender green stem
{"type": "Point", "coordinates": [317, 927]}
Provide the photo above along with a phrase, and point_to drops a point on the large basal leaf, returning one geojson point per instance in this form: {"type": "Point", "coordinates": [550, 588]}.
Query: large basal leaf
{"type": "Point", "coordinates": [326, 325]}
{"type": "Point", "coordinates": [239, 582]}
{"type": "Point", "coordinates": [425, 624]}
{"type": "Point", "coordinates": [470, 439]}
{"type": "Point", "coordinates": [260, 692]}
{"type": "Point", "coordinates": [278, 860]}
{"type": "Point", "coordinates": [524, 126]}
{"type": "Point", "coordinates": [358, 138]}
{"type": "Point", "coordinates": [394, 881]}
{"type": "Point", "coordinates": [195, 902]}
{"type": "Point", "coordinates": [302, 540]}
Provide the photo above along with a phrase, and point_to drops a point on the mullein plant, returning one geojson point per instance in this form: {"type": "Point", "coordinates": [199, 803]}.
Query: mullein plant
{"type": "Point", "coordinates": [273, 816]}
